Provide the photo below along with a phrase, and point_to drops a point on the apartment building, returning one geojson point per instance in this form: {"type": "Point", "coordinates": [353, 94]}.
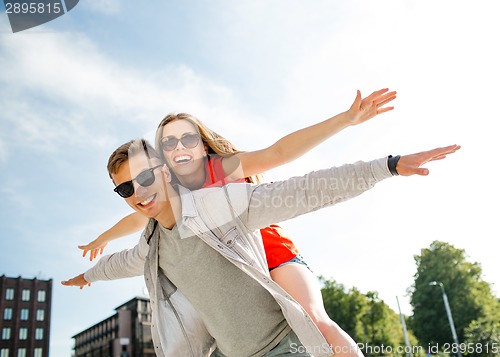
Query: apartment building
{"type": "Point", "coordinates": [25, 306]}
{"type": "Point", "coordinates": [127, 333]}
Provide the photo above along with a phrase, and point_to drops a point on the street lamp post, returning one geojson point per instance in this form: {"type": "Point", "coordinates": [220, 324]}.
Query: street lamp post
{"type": "Point", "coordinates": [450, 318]}
{"type": "Point", "coordinates": [405, 332]}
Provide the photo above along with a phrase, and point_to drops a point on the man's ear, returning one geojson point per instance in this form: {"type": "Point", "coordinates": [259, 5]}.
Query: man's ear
{"type": "Point", "coordinates": [166, 173]}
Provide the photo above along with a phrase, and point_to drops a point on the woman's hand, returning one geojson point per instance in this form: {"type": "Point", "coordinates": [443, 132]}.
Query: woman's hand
{"type": "Point", "coordinates": [364, 109]}
{"type": "Point", "coordinates": [95, 247]}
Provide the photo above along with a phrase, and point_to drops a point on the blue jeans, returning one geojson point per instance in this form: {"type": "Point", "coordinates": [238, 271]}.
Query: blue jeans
{"type": "Point", "coordinates": [290, 345]}
{"type": "Point", "coordinates": [299, 259]}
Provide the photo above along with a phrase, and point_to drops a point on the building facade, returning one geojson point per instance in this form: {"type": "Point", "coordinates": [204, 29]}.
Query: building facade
{"type": "Point", "coordinates": [125, 334]}
{"type": "Point", "coordinates": [25, 306]}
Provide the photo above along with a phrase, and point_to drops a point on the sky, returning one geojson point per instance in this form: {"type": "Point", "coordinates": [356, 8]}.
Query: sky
{"type": "Point", "coordinates": [108, 71]}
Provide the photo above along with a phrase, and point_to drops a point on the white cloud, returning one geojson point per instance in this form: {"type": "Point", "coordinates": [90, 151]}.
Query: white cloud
{"type": "Point", "coordinates": [72, 91]}
{"type": "Point", "coordinates": [14, 196]}
{"type": "Point", "coordinates": [3, 151]}
{"type": "Point", "coordinates": [107, 7]}
{"type": "Point", "coordinates": [444, 73]}
{"type": "Point", "coordinates": [309, 60]}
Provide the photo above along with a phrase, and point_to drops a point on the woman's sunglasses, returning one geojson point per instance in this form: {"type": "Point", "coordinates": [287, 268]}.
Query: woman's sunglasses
{"type": "Point", "coordinates": [145, 179]}
{"type": "Point", "coordinates": [190, 141]}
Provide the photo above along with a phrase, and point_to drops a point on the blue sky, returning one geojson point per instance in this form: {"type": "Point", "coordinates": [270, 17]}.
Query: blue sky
{"type": "Point", "coordinates": [74, 89]}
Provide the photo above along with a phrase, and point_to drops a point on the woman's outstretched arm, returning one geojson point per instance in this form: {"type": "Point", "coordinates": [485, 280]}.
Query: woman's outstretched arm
{"type": "Point", "coordinates": [296, 144]}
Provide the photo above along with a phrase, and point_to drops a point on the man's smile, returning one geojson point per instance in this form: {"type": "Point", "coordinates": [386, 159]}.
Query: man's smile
{"type": "Point", "coordinates": [148, 201]}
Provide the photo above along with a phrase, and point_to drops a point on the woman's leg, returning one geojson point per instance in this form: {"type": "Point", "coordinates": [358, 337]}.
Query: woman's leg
{"type": "Point", "coordinates": [297, 280]}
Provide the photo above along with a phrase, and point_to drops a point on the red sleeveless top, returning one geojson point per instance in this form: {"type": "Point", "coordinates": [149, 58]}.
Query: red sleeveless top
{"type": "Point", "coordinates": [279, 248]}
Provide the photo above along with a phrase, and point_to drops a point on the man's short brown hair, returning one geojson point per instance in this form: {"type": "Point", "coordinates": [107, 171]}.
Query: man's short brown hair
{"type": "Point", "coordinates": [122, 154]}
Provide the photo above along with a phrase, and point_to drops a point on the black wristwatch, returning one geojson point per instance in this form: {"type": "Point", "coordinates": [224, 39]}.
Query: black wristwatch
{"type": "Point", "coordinates": [392, 162]}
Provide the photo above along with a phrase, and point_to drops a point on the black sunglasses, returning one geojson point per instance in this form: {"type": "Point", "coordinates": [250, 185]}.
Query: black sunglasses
{"type": "Point", "coordinates": [190, 141]}
{"type": "Point", "coordinates": [145, 179]}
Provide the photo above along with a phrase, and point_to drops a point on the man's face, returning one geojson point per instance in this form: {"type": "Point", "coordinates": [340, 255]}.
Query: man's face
{"type": "Point", "coordinates": [151, 200]}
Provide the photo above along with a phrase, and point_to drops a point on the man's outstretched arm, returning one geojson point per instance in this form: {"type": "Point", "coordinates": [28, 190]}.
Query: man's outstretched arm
{"type": "Point", "coordinates": [409, 165]}
{"type": "Point", "coordinates": [124, 264]}
{"type": "Point", "coordinates": [78, 280]}
{"type": "Point", "coordinates": [280, 201]}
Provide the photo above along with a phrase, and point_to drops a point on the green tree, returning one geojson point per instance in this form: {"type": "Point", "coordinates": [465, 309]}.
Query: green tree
{"type": "Point", "coordinates": [381, 324]}
{"type": "Point", "coordinates": [344, 307]}
{"type": "Point", "coordinates": [482, 337]}
{"type": "Point", "coordinates": [365, 317]}
{"type": "Point", "coordinates": [470, 298]}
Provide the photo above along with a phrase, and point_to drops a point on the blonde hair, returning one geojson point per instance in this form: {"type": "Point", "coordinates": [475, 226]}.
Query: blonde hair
{"type": "Point", "coordinates": [214, 143]}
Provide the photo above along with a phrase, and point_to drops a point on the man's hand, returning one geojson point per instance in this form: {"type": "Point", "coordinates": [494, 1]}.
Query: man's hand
{"type": "Point", "coordinates": [364, 109]}
{"type": "Point", "coordinates": [78, 280]}
{"type": "Point", "coordinates": [411, 164]}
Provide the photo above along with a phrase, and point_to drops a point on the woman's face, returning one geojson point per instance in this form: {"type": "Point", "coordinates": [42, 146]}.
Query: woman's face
{"type": "Point", "coordinates": [184, 151]}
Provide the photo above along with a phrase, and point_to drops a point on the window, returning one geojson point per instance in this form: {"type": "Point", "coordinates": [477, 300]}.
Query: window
{"type": "Point", "coordinates": [38, 352]}
{"type": "Point", "coordinates": [25, 314]}
{"type": "Point", "coordinates": [7, 313]}
{"type": "Point", "coordinates": [4, 352]}
{"type": "Point", "coordinates": [25, 295]}
{"type": "Point", "coordinates": [41, 296]}
{"type": "Point", "coordinates": [39, 334]}
{"type": "Point", "coordinates": [9, 294]}
{"type": "Point", "coordinates": [23, 333]}
{"type": "Point", "coordinates": [21, 352]}
{"type": "Point", "coordinates": [6, 333]}
{"type": "Point", "coordinates": [40, 314]}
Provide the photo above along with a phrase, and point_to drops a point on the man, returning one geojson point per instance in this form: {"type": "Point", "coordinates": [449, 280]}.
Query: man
{"type": "Point", "coordinates": [203, 259]}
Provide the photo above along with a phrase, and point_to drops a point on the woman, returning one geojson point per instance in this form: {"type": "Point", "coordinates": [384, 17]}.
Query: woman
{"type": "Point", "coordinates": [200, 158]}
